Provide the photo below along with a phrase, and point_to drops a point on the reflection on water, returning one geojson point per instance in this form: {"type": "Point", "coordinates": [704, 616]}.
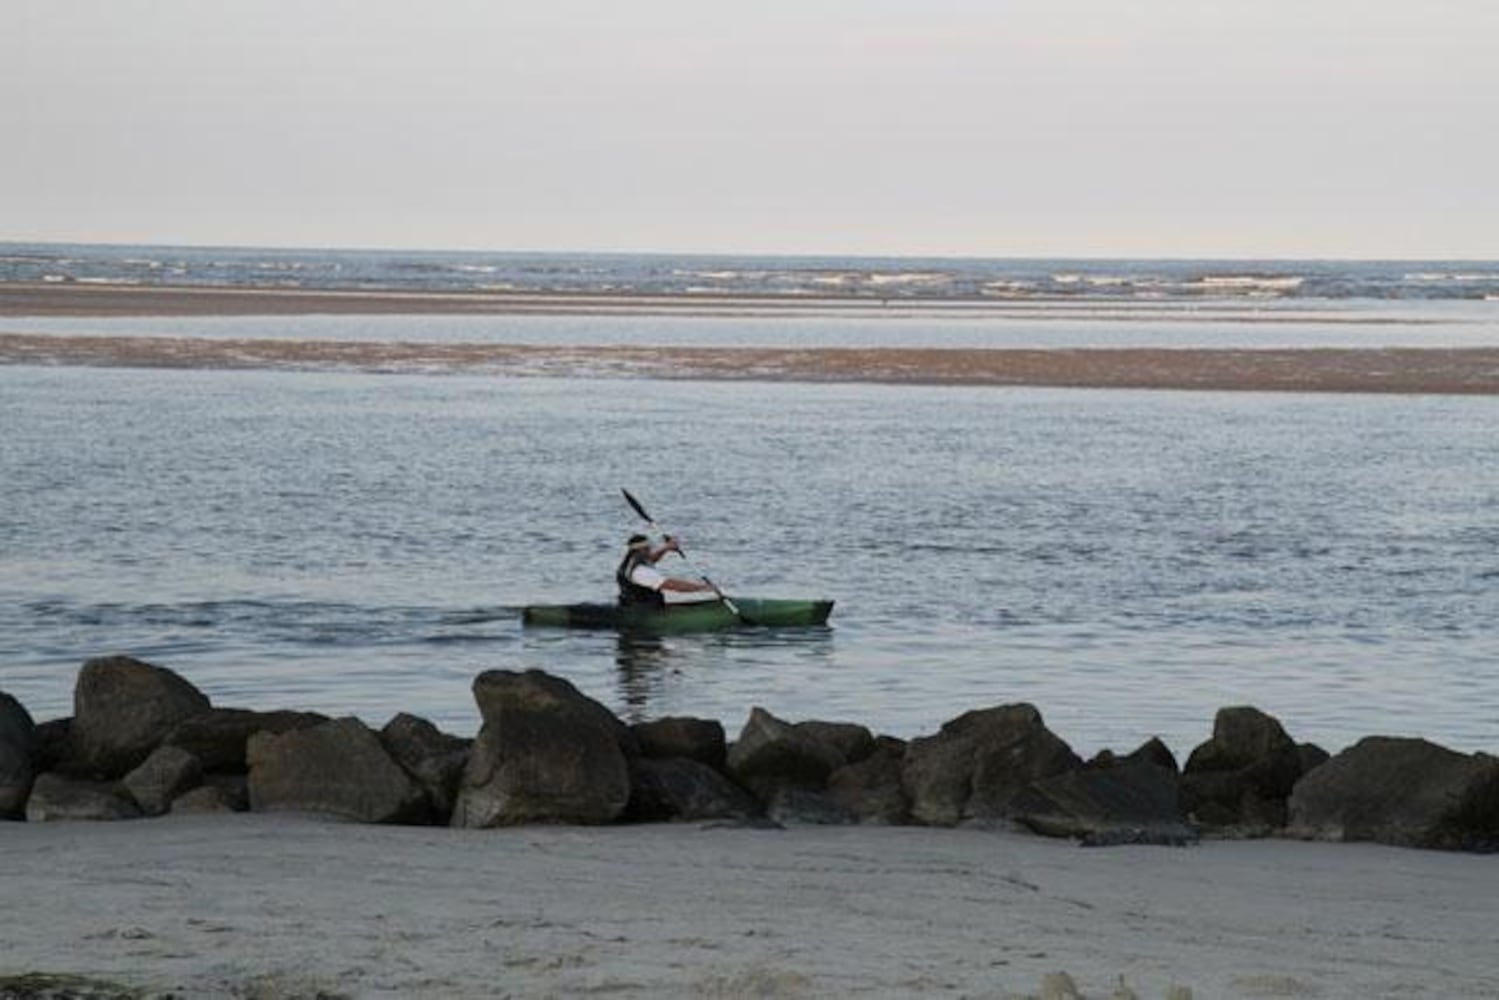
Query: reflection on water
{"type": "Point", "coordinates": [642, 660]}
{"type": "Point", "coordinates": [649, 666]}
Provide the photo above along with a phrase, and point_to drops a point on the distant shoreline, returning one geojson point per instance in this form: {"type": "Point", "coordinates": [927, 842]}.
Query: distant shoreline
{"type": "Point", "coordinates": [1448, 371]}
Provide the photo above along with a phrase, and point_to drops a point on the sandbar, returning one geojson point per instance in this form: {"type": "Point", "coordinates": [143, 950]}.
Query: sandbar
{"type": "Point", "coordinates": [1443, 370]}
{"type": "Point", "coordinates": [262, 904]}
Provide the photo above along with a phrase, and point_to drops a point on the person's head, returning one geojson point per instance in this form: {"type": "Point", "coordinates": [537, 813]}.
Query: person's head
{"type": "Point", "coordinates": [638, 543]}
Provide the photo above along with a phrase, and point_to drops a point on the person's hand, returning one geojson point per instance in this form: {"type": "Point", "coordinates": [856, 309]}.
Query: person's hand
{"type": "Point", "coordinates": [671, 545]}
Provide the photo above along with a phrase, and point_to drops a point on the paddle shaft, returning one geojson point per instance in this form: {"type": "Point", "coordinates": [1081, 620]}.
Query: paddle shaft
{"type": "Point", "coordinates": [646, 517]}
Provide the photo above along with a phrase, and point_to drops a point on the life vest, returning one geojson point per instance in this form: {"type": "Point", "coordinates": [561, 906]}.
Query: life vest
{"type": "Point", "coordinates": [630, 592]}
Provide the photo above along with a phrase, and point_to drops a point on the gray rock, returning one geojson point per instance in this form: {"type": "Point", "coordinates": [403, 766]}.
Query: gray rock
{"type": "Point", "coordinates": [545, 754]}
{"type": "Point", "coordinates": [791, 805]}
{"type": "Point", "coordinates": [869, 791]}
{"type": "Point", "coordinates": [55, 797]}
{"type": "Point", "coordinates": [337, 769]}
{"type": "Point", "coordinates": [535, 691]}
{"type": "Point", "coordinates": [1405, 792]}
{"type": "Point", "coordinates": [163, 776]}
{"type": "Point", "coordinates": [123, 709]}
{"type": "Point", "coordinates": [434, 758]}
{"type": "Point", "coordinates": [771, 754]}
{"type": "Point", "coordinates": [852, 741]}
{"type": "Point", "coordinates": [977, 763]}
{"type": "Point", "coordinates": [219, 736]}
{"type": "Point", "coordinates": [701, 740]}
{"type": "Point", "coordinates": [676, 788]}
{"type": "Point", "coordinates": [18, 746]}
{"type": "Point", "coordinates": [1240, 779]}
{"type": "Point", "coordinates": [1133, 800]}
{"type": "Point", "coordinates": [203, 799]}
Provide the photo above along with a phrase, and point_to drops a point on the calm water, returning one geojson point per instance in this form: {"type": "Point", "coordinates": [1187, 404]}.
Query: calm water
{"type": "Point", "coordinates": [1128, 561]}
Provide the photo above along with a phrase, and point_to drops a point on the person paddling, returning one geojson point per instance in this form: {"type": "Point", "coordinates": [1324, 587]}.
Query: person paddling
{"type": "Point", "coordinates": [640, 582]}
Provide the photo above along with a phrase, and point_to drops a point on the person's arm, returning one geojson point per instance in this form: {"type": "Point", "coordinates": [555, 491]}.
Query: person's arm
{"type": "Point", "coordinates": [687, 586]}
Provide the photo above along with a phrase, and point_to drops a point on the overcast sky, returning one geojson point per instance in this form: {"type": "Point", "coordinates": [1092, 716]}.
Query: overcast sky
{"type": "Point", "coordinates": [1238, 128]}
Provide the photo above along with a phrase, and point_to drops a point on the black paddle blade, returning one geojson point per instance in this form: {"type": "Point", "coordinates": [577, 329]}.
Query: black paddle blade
{"type": "Point", "coordinates": [636, 504]}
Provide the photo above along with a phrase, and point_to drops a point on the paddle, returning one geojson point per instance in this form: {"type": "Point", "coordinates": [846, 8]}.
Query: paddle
{"type": "Point", "coordinates": [644, 516]}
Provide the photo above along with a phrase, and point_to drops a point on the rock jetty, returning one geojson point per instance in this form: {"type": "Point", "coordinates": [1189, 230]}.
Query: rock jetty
{"type": "Point", "coordinates": [143, 741]}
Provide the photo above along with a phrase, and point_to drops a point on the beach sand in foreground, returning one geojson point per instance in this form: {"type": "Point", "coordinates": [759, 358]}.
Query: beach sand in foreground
{"type": "Point", "coordinates": [227, 905]}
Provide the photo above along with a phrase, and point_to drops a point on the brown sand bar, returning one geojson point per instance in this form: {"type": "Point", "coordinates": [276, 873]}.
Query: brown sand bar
{"type": "Point", "coordinates": [1470, 371]}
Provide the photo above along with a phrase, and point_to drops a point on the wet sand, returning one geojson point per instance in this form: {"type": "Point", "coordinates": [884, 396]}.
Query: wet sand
{"type": "Point", "coordinates": [1471, 371]}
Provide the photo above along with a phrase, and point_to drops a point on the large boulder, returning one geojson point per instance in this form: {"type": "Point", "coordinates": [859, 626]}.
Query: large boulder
{"type": "Point", "coordinates": [678, 788]}
{"type": "Point", "coordinates": [869, 790]}
{"type": "Point", "coordinates": [1406, 792]}
{"type": "Point", "coordinates": [56, 797]}
{"type": "Point", "coordinates": [123, 709]}
{"type": "Point", "coordinates": [852, 741]}
{"type": "Point", "coordinates": [772, 754]}
{"type": "Point", "coordinates": [701, 740]}
{"type": "Point", "coordinates": [219, 736]}
{"type": "Point", "coordinates": [545, 754]}
{"type": "Point", "coordinates": [1240, 779]}
{"type": "Point", "coordinates": [1134, 799]}
{"type": "Point", "coordinates": [18, 745]}
{"type": "Point", "coordinates": [434, 758]}
{"type": "Point", "coordinates": [498, 692]}
{"type": "Point", "coordinates": [337, 768]}
{"type": "Point", "coordinates": [163, 776]}
{"type": "Point", "coordinates": [977, 763]}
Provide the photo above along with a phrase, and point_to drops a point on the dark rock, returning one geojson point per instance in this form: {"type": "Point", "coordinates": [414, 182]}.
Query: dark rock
{"type": "Point", "coordinates": [204, 799]}
{"type": "Point", "coordinates": [676, 788]}
{"type": "Point", "coordinates": [219, 736]}
{"type": "Point", "coordinates": [978, 762]}
{"type": "Point", "coordinates": [545, 754]}
{"type": "Point", "coordinates": [870, 790]}
{"type": "Point", "coordinates": [805, 806]}
{"type": "Point", "coordinates": [1131, 800]}
{"type": "Point", "coordinates": [434, 758]}
{"type": "Point", "coordinates": [1405, 792]}
{"type": "Point", "coordinates": [53, 745]}
{"type": "Point", "coordinates": [55, 797]}
{"type": "Point", "coordinates": [852, 741]}
{"type": "Point", "coordinates": [18, 744]}
{"type": "Point", "coordinates": [701, 740]}
{"type": "Point", "coordinates": [1152, 751]}
{"type": "Point", "coordinates": [535, 691]}
{"type": "Point", "coordinates": [1312, 757]}
{"type": "Point", "coordinates": [123, 709]}
{"type": "Point", "coordinates": [233, 788]}
{"type": "Point", "coordinates": [336, 769]}
{"type": "Point", "coordinates": [161, 777]}
{"type": "Point", "coordinates": [771, 754]}
{"type": "Point", "coordinates": [1240, 779]}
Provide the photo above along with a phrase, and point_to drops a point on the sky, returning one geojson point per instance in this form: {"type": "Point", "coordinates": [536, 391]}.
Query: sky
{"type": "Point", "coordinates": [1073, 128]}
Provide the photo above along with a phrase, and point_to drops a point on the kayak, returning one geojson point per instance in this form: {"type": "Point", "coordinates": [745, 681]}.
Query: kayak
{"type": "Point", "coordinates": [697, 616]}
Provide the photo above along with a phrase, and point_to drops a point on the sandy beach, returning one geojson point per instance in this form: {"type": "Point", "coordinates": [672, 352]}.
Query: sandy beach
{"type": "Point", "coordinates": [261, 905]}
{"type": "Point", "coordinates": [1469, 371]}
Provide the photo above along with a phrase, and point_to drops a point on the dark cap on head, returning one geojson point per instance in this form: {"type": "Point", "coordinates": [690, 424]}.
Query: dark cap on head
{"type": "Point", "coordinates": [636, 541]}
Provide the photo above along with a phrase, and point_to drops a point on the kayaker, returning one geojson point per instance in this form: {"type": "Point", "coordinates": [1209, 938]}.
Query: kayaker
{"type": "Point", "coordinates": [640, 582]}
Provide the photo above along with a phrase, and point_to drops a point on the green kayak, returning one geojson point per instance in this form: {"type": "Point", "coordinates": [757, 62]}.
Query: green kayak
{"type": "Point", "coordinates": [700, 616]}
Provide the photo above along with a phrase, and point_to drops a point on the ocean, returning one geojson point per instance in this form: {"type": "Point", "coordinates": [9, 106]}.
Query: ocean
{"type": "Point", "coordinates": [361, 542]}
